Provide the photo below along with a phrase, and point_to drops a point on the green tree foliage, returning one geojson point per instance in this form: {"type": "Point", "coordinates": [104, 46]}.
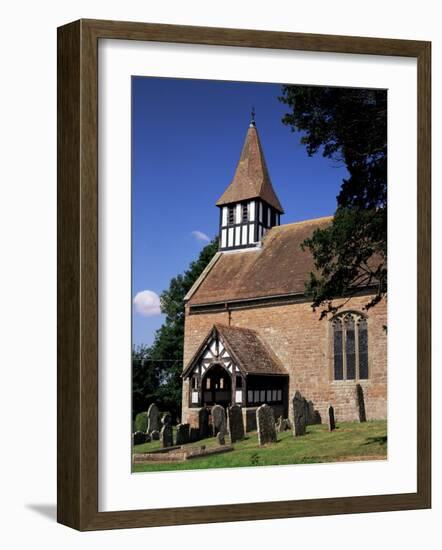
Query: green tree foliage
{"type": "Point", "coordinates": [145, 379]}
{"type": "Point", "coordinates": [157, 375]}
{"type": "Point", "coordinates": [141, 422]}
{"type": "Point", "coordinates": [349, 126]}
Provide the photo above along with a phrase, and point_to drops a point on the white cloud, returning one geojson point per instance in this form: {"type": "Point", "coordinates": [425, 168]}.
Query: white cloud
{"type": "Point", "coordinates": [200, 236]}
{"type": "Point", "coordinates": [147, 303]}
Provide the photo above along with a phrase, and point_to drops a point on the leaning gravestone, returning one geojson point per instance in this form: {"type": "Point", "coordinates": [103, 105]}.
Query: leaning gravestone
{"type": "Point", "coordinates": [299, 420]}
{"type": "Point", "coordinates": [331, 419]}
{"type": "Point", "coordinates": [166, 436]}
{"type": "Point", "coordinates": [265, 422]}
{"type": "Point", "coordinates": [182, 434]}
{"type": "Point", "coordinates": [153, 418]}
{"type": "Point", "coordinates": [218, 419]}
{"type": "Point", "coordinates": [236, 423]}
{"type": "Point", "coordinates": [203, 423]}
{"type": "Point", "coordinates": [360, 403]}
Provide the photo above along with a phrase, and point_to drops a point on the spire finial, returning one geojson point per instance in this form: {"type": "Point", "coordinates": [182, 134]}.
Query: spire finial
{"type": "Point", "coordinates": [252, 120]}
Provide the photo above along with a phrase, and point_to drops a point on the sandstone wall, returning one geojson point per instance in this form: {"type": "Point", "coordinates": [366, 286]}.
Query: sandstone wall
{"type": "Point", "coordinates": [304, 345]}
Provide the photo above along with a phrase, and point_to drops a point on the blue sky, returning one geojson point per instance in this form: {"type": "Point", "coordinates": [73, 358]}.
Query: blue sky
{"type": "Point", "coordinates": [187, 136]}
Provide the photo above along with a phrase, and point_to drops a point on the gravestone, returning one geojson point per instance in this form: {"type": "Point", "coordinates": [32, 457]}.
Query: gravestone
{"type": "Point", "coordinates": [281, 424]}
{"type": "Point", "coordinates": [360, 402]}
{"type": "Point", "coordinates": [308, 411]}
{"type": "Point", "coordinates": [153, 418]}
{"type": "Point", "coordinates": [218, 419]}
{"type": "Point", "coordinates": [278, 425]}
{"type": "Point", "coordinates": [166, 419]}
{"type": "Point", "coordinates": [203, 423]}
{"type": "Point", "coordinates": [285, 425]}
{"type": "Point", "coordinates": [331, 419]}
{"type": "Point", "coordinates": [155, 435]}
{"type": "Point", "coordinates": [316, 418]}
{"type": "Point", "coordinates": [236, 423]}
{"type": "Point", "coordinates": [221, 438]}
{"type": "Point", "coordinates": [166, 436]}
{"type": "Point", "coordinates": [265, 421]}
{"type": "Point", "coordinates": [182, 434]}
{"type": "Point", "coordinates": [299, 410]}
{"type": "Point", "coordinates": [139, 438]}
{"type": "Point", "coordinates": [194, 435]}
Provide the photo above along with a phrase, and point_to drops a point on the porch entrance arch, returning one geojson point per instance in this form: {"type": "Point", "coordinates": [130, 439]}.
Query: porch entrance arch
{"type": "Point", "coordinates": [217, 386]}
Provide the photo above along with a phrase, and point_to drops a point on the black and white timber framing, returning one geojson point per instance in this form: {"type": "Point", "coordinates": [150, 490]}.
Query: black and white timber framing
{"type": "Point", "coordinates": [216, 377]}
{"type": "Point", "coordinates": [243, 224]}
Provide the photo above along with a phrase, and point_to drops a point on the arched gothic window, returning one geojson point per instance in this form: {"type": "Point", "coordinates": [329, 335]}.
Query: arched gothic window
{"type": "Point", "coordinates": [350, 347]}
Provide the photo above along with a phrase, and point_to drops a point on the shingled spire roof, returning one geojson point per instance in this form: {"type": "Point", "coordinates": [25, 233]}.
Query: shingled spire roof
{"type": "Point", "coordinates": [251, 179]}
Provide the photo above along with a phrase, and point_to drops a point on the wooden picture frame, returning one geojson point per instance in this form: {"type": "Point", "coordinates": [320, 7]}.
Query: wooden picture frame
{"type": "Point", "coordinates": [78, 274]}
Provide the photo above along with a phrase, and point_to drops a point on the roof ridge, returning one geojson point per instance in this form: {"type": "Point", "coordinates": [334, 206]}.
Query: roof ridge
{"type": "Point", "coordinates": [301, 222]}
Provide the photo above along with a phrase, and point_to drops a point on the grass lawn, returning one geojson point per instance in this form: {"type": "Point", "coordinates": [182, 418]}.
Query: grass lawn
{"type": "Point", "coordinates": [350, 441]}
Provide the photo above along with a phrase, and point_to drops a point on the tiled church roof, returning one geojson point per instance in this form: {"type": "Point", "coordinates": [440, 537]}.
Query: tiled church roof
{"type": "Point", "coordinates": [250, 353]}
{"type": "Point", "coordinates": [276, 268]}
{"type": "Point", "coordinates": [251, 179]}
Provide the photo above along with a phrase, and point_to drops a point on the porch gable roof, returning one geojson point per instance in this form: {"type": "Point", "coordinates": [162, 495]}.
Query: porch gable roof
{"type": "Point", "coordinates": [246, 348]}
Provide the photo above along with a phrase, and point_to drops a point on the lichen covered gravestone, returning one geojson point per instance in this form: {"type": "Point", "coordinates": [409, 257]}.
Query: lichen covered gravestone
{"type": "Point", "coordinates": [331, 419]}
{"type": "Point", "coordinates": [265, 421]}
{"type": "Point", "coordinates": [153, 418]}
{"type": "Point", "coordinates": [182, 434]}
{"type": "Point", "coordinates": [236, 423]}
{"type": "Point", "coordinates": [218, 419]}
{"type": "Point", "coordinates": [299, 420]}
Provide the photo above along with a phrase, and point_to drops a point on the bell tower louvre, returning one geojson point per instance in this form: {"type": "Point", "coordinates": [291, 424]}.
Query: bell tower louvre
{"type": "Point", "coordinates": [249, 206]}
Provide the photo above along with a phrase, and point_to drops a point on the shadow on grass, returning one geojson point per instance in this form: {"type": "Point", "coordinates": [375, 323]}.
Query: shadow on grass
{"type": "Point", "coordinates": [381, 440]}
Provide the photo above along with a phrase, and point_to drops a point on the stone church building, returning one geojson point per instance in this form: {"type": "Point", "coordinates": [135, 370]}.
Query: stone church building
{"type": "Point", "coordinates": [251, 335]}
